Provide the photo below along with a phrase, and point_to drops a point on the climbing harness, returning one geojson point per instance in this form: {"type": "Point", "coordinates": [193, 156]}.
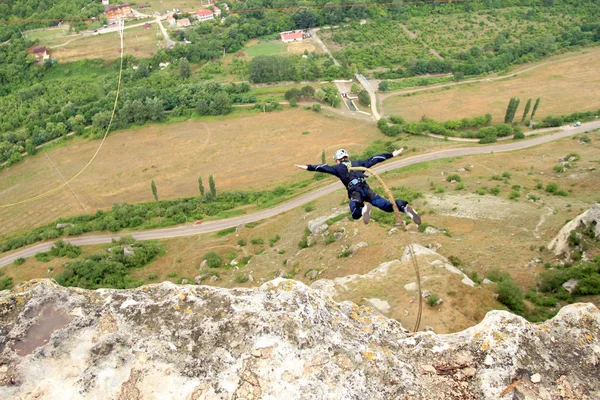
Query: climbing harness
{"type": "Point", "coordinates": [400, 222]}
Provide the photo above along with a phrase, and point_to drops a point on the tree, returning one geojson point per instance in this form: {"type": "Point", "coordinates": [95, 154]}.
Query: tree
{"type": "Point", "coordinates": [357, 88]}
{"type": "Point", "coordinates": [211, 184]}
{"type": "Point", "coordinates": [513, 104]}
{"type": "Point", "coordinates": [323, 159]}
{"type": "Point", "coordinates": [364, 98]}
{"type": "Point", "coordinates": [307, 91]}
{"type": "Point", "coordinates": [316, 107]}
{"type": "Point", "coordinates": [154, 191]}
{"type": "Point", "coordinates": [384, 86]}
{"type": "Point", "coordinates": [527, 106]}
{"type": "Point", "coordinates": [30, 147]}
{"type": "Point", "coordinates": [535, 107]}
{"type": "Point", "coordinates": [221, 104]}
{"type": "Point", "coordinates": [200, 186]}
{"type": "Point", "coordinates": [184, 68]}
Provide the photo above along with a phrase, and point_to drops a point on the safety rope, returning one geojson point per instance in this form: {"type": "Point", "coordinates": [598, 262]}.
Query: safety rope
{"type": "Point", "coordinates": [65, 183]}
{"type": "Point", "coordinates": [398, 214]}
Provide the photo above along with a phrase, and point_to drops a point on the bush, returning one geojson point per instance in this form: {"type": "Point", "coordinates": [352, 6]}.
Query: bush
{"type": "Point", "coordinates": [460, 186]}
{"type": "Point", "coordinates": [511, 295]}
{"type": "Point", "coordinates": [495, 190]}
{"type": "Point", "coordinates": [274, 240]}
{"type": "Point", "coordinates": [213, 260]}
{"type": "Point", "coordinates": [497, 276]}
{"type": "Point", "coordinates": [432, 299]}
{"type": "Point", "coordinates": [552, 187]}
{"type": "Point", "coordinates": [152, 276]}
{"type": "Point", "coordinates": [257, 241]}
{"type": "Point", "coordinates": [241, 242]}
{"type": "Point", "coordinates": [172, 274]}
{"type": "Point", "coordinates": [241, 278]}
{"type": "Point", "coordinates": [226, 232]}
{"type": "Point", "coordinates": [514, 195]}
{"type": "Point", "coordinates": [316, 107]}
{"type": "Point", "coordinates": [558, 168]}
{"type": "Point", "coordinates": [19, 261]}
{"type": "Point", "coordinates": [453, 177]}
{"type": "Point", "coordinates": [6, 283]}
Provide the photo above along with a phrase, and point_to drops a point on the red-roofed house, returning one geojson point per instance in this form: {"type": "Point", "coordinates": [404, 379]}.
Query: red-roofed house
{"type": "Point", "coordinates": [205, 15]}
{"type": "Point", "coordinates": [291, 36]}
{"type": "Point", "coordinates": [182, 23]}
{"type": "Point", "coordinates": [40, 53]}
{"type": "Point", "coordinates": [217, 10]}
{"type": "Point", "coordinates": [171, 20]}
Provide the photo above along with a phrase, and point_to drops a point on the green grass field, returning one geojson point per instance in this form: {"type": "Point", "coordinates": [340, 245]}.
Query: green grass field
{"type": "Point", "coordinates": [265, 48]}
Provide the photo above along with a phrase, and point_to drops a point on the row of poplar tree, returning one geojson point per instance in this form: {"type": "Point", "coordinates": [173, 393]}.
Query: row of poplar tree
{"type": "Point", "coordinates": [511, 110]}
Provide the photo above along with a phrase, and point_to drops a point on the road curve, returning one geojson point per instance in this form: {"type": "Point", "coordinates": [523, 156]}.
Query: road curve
{"type": "Point", "coordinates": [213, 226]}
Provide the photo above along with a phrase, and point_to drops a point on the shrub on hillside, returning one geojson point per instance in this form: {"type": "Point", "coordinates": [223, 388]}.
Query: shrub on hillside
{"type": "Point", "coordinates": [213, 259]}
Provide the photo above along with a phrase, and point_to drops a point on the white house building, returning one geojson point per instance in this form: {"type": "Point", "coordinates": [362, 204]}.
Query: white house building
{"type": "Point", "coordinates": [205, 15]}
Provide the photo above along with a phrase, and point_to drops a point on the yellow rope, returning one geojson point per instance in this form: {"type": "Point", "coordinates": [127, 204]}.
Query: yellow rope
{"type": "Point", "coordinates": [56, 189]}
{"type": "Point", "coordinates": [398, 214]}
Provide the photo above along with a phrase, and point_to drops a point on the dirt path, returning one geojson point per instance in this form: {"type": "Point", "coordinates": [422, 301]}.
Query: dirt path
{"type": "Point", "coordinates": [214, 226]}
{"type": "Point", "coordinates": [382, 97]}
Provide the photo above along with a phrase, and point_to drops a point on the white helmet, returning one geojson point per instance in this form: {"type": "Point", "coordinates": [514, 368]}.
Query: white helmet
{"type": "Point", "coordinates": [341, 153]}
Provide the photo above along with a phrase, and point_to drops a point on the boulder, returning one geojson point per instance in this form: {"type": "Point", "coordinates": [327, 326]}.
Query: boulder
{"type": "Point", "coordinates": [590, 218]}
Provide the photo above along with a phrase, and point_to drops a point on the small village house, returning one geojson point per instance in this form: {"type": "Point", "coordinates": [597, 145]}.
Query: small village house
{"type": "Point", "coordinates": [184, 22]}
{"type": "Point", "coordinates": [171, 20]}
{"type": "Point", "coordinates": [291, 36]}
{"type": "Point", "coordinates": [40, 52]}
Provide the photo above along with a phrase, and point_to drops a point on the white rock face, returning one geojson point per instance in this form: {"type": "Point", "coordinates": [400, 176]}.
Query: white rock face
{"type": "Point", "coordinates": [315, 224]}
{"type": "Point", "coordinates": [282, 340]}
{"type": "Point", "coordinates": [559, 245]}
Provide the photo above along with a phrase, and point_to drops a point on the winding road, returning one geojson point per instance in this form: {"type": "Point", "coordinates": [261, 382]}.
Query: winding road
{"type": "Point", "coordinates": [213, 226]}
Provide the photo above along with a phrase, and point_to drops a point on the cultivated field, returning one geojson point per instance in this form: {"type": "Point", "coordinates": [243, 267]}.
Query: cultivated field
{"type": "Point", "coordinates": [563, 86]}
{"type": "Point", "coordinates": [52, 36]}
{"type": "Point", "coordinates": [253, 152]}
{"type": "Point", "coordinates": [137, 42]}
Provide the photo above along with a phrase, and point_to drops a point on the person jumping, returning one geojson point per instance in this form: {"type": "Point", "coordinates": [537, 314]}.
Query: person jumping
{"type": "Point", "coordinates": [359, 191]}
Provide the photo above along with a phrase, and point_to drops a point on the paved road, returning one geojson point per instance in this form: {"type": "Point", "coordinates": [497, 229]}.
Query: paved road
{"type": "Point", "coordinates": [365, 83]}
{"type": "Point", "coordinates": [213, 226]}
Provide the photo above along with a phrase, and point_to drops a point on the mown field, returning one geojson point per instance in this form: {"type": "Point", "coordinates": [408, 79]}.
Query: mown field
{"type": "Point", "coordinates": [252, 152]}
{"type": "Point", "coordinates": [564, 86]}
{"type": "Point", "coordinates": [138, 42]}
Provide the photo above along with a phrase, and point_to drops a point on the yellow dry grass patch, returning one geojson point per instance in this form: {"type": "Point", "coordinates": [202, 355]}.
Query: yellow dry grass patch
{"type": "Point", "coordinates": [254, 152]}
{"type": "Point", "coordinates": [301, 47]}
{"type": "Point", "coordinates": [138, 42]}
{"type": "Point", "coordinates": [564, 87]}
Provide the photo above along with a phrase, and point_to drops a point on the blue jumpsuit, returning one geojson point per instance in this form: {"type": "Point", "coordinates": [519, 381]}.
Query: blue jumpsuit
{"type": "Point", "coordinates": [358, 189]}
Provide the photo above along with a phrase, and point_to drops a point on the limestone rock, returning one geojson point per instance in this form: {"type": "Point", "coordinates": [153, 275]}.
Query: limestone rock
{"type": "Point", "coordinates": [570, 285]}
{"type": "Point", "coordinates": [356, 247]}
{"type": "Point", "coordinates": [560, 246]}
{"type": "Point", "coordinates": [281, 340]}
{"type": "Point", "coordinates": [128, 251]}
{"type": "Point", "coordinates": [63, 226]}
{"type": "Point", "coordinates": [430, 230]}
{"type": "Point", "coordinates": [315, 224]}
{"type": "Point", "coordinates": [378, 304]}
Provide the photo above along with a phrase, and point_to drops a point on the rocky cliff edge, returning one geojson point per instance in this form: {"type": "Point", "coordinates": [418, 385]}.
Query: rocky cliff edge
{"type": "Point", "coordinates": [281, 340]}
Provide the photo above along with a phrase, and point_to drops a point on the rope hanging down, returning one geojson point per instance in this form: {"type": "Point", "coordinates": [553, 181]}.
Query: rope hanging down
{"type": "Point", "coordinates": [65, 183]}
{"type": "Point", "coordinates": [398, 214]}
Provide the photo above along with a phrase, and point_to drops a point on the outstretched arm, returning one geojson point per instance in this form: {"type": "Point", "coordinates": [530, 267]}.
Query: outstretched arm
{"type": "Point", "coordinates": [328, 169]}
{"type": "Point", "coordinates": [377, 159]}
